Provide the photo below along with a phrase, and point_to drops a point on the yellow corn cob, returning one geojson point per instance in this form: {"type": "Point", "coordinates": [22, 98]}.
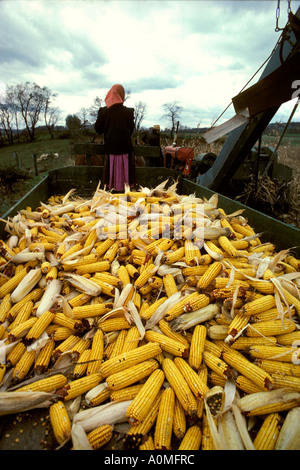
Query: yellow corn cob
{"type": "Point", "coordinates": [119, 343]}
{"type": "Point", "coordinates": [2, 331]}
{"type": "Point", "coordinates": [12, 283]}
{"type": "Point", "coordinates": [59, 333]}
{"type": "Point", "coordinates": [217, 365]}
{"type": "Point", "coordinates": [96, 356]}
{"type": "Point", "coordinates": [15, 355]}
{"type": "Point", "coordinates": [190, 303]}
{"type": "Point", "coordinates": [23, 366]}
{"type": "Point", "coordinates": [100, 436]}
{"type": "Point", "coordinates": [213, 348]}
{"type": "Point", "coordinates": [170, 345]}
{"type": "Point", "coordinates": [60, 422]}
{"type": "Point", "coordinates": [22, 315]}
{"type": "Point", "coordinates": [248, 386]}
{"type": "Point", "coordinates": [148, 312]}
{"type": "Point", "coordinates": [103, 246]}
{"type": "Point", "coordinates": [229, 292]}
{"type": "Point", "coordinates": [180, 387]}
{"type": "Point", "coordinates": [243, 342]}
{"type": "Point", "coordinates": [2, 371]}
{"type": "Point", "coordinates": [206, 440]}
{"type": "Point", "coordinates": [292, 300]}
{"type": "Point", "coordinates": [5, 306]}
{"type": "Point", "coordinates": [91, 268]}
{"type": "Point", "coordinates": [79, 386]}
{"type": "Point", "coordinates": [66, 345]}
{"type": "Point", "coordinates": [258, 306]}
{"type": "Point", "coordinates": [293, 261]}
{"type": "Point", "coordinates": [51, 274]}
{"type": "Point", "coordinates": [227, 246]}
{"type": "Point", "coordinates": [45, 267]}
{"type": "Point", "coordinates": [131, 375]}
{"type": "Point", "coordinates": [132, 339]}
{"type": "Point", "coordinates": [100, 394]}
{"type": "Point", "coordinates": [264, 403]}
{"type": "Point", "coordinates": [197, 346]}
{"type": "Point", "coordinates": [216, 379]}
{"type": "Point", "coordinates": [179, 421]}
{"type": "Point", "coordinates": [192, 439]}
{"type": "Point", "coordinates": [82, 363]}
{"type": "Point", "coordinates": [111, 252]}
{"type": "Point", "coordinates": [276, 353]}
{"type": "Point", "coordinates": [169, 284]}
{"type": "Point", "coordinates": [237, 324]}
{"type": "Point", "coordinates": [210, 274]}
{"type": "Point", "coordinates": [281, 381]}
{"type": "Point", "coordinates": [123, 275]}
{"type": "Point", "coordinates": [39, 327]}
{"type": "Point", "coordinates": [264, 286]}
{"type": "Point", "coordinates": [62, 320]}
{"type": "Point", "coordinates": [144, 276]}
{"type": "Point", "coordinates": [43, 359]}
{"type": "Point", "coordinates": [257, 375]}
{"type": "Point", "coordinates": [147, 443]}
{"type": "Point", "coordinates": [95, 310]}
{"type": "Point", "coordinates": [33, 296]}
{"type": "Point", "coordinates": [166, 329]}
{"type": "Point", "coordinates": [71, 250]}
{"type": "Point", "coordinates": [171, 256]}
{"type": "Point", "coordinates": [132, 271]}
{"type": "Point", "coordinates": [130, 358]}
{"type": "Point", "coordinates": [221, 282]}
{"type": "Point", "coordinates": [191, 253]}
{"type": "Point", "coordinates": [278, 367]}
{"type": "Point", "coordinates": [113, 324]}
{"type": "Point", "coordinates": [142, 403]}
{"type": "Point", "coordinates": [288, 339]}
{"type": "Point", "coordinates": [164, 421]}
{"type": "Point", "coordinates": [271, 328]}
{"type": "Point", "coordinates": [126, 393]}
{"type": "Point", "coordinates": [21, 330]}
{"type": "Point", "coordinates": [194, 381]}
{"type": "Point", "coordinates": [268, 433]}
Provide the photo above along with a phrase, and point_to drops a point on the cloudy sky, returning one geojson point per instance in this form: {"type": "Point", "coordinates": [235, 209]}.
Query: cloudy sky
{"type": "Point", "coordinates": [200, 53]}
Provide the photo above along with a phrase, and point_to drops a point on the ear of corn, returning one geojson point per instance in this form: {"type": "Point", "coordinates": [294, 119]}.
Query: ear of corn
{"type": "Point", "coordinates": [164, 422]}
{"type": "Point", "coordinates": [100, 436]}
{"type": "Point", "coordinates": [180, 387]}
{"type": "Point", "coordinates": [141, 404]}
{"type": "Point", "coordinates": [60, 422]}
{"type": "Point", "coordinates": [131, 375]}
{"type": "Point", "coordinates": [192, 439]}
{"type": "Point", "coordinates": [201, 320]}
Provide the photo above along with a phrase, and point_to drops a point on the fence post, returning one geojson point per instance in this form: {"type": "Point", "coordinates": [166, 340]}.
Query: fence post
{"type": "Point", "coordinates": [17, 160]}
{"type": "Point", "coordinates": [35, 164]}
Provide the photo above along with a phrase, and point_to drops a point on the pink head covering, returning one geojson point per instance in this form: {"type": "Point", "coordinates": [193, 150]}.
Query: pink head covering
{"type": "Point", "coordinates": [115, 95]}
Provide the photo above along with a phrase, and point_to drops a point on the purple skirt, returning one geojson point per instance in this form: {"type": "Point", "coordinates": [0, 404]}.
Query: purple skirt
{"type": "Point", "coordinates": [118, 172]}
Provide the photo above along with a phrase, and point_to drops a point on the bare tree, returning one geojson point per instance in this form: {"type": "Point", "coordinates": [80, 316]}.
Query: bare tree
{"type": "Point", "coordinates": [173, 111]}
{"type": "Point", "coordinates": [93, 110]}
{"type": "Point", "coordinates": [6, 118]}
{"type": "Point", "coordinates": [51, 114]}
{"type": "Point", "coordinates": [140, 109]}
{"type": "Point", "coordinates": [83, 115]}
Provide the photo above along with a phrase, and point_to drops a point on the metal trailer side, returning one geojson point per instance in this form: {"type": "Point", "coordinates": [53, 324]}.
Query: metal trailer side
{"type": "Point", "coordinates": [85, 180]}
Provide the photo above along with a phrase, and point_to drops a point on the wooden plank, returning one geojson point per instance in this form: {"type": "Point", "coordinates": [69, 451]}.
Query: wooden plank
{"type": "Point", "coordinates": [98, 149]}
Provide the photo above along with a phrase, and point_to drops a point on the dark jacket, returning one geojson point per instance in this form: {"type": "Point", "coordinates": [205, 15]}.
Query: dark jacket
{"type": "Point", "coordinates": [116, 124]}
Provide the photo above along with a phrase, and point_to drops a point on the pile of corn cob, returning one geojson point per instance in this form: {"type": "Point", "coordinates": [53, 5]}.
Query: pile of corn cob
{"type": "Point", "coordinates": [151, 316]}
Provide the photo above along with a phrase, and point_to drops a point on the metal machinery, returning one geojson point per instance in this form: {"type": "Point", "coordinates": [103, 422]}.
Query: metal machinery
{"type": "Point", "coordinates": [239, 158]}
{"type": "Point", "coordinates": [256, 106]}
